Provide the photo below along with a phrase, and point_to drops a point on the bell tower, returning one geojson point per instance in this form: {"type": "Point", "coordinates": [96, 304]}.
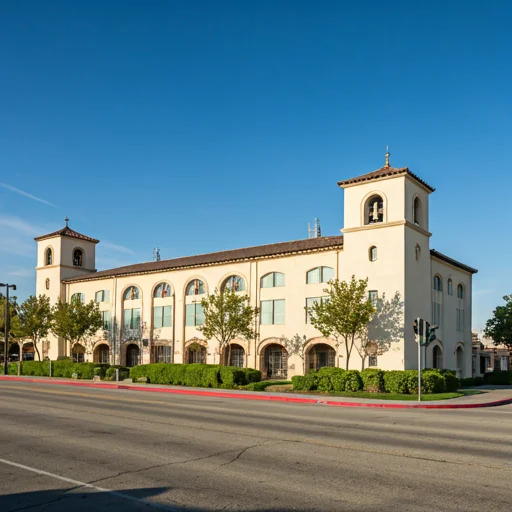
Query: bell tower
{"type": "Point", "coordinates": [386, 239]}
{"type": "Point", "coordinates": [62, 254]}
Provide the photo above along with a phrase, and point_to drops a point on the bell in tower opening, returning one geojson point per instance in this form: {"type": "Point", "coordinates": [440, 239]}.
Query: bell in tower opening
{"type": "Point", "coordinates": [374, 210]}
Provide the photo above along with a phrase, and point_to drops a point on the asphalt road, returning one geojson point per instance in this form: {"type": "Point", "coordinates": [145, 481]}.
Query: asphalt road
{"type": "Point", "coordinates": [64, 449]}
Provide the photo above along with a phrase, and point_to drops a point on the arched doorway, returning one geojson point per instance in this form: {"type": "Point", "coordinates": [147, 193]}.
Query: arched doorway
{"type": "Point", "coordinates": [234, 355]}
{"type": "Point", "coordinates": [437, 357]}
{"type": "Point", "coordinates": [196, 353]}
{"type": "Point", "coordinates": [132, 355]}
{"type": "Point", "coordinates": [320, 355]}
{"type": "Point", "coordinates": [101, 353]}
{"type": "Point", "coordinates": [460, 361]}
{"type": "Point", "coordinates": [274, 364]}
{"type": "Point", "coordinates": [78, 353]}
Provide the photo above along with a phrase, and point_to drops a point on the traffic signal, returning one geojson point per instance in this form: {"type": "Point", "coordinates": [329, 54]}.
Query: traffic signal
{"type": "Point", "coordinates": [431, 332]}
{"type": "Point", "coordinates": [419, 326]}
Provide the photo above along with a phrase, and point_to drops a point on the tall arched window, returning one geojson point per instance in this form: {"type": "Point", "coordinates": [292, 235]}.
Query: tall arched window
{"type": "Point", "coordinates": [234, 284]}
{"type": "Point", "coordinates": [162, 290]}
{"type": "Point", "coordinates": [319, 275]}
{"type": "Point", "coordinates": [416, 211]}
{"type": "Point", "coordinates": [195, 287]}
{"type": "Point", "coordinates": [131, 293]}
{"type": "Point", "coordinates": [374, 210]}
{"type": "Point", "coordinates": [438, 284]}
{"type": "Point", "coordinates": [450, 287]}
{"type": "Point", "coordinates": [272, 280]}
{"type": "Point", "coordinates": [49, 256]}
{"type": "Point", "coordinates": [78, 257]}
{"type": "Point", "coordinates": [460, 291]}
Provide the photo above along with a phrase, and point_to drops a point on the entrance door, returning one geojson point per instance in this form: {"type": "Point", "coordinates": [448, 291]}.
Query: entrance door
{"type": "Point", "coordinates": [132, 355]}
{"type": "Point", "coordinates": [276, 362]}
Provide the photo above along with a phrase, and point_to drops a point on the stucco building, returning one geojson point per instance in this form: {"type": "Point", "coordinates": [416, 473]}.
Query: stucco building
{"type": "Point", "coordinates": [151, 311]}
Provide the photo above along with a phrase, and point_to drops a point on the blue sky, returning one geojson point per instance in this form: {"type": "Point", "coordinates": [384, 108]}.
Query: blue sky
{"type": "Point", "coordinates": [202, 126]}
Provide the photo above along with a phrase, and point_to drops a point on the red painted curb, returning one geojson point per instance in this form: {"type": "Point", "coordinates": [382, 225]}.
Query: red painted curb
{"type": "Point", "coordinates": [216, 394]}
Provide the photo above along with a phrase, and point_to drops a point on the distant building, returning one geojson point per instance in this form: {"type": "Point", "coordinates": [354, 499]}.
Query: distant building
{"type": "Point", "coordinates": [489, 357]}
{"type": "Point", "coordinates": [151, 311]}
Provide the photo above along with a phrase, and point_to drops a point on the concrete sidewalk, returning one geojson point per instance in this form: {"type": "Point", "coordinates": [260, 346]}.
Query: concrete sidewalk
{"type": "Point", "coordinates": [492, 396]}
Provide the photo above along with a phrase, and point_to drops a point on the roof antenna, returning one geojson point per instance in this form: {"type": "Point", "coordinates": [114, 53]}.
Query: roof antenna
{"type": "Point", "coordinates": [67, 221]}
{"type": "Point", "coordinates": [387, 156]}
{"type": "Point", "coordinates": [156, 254]}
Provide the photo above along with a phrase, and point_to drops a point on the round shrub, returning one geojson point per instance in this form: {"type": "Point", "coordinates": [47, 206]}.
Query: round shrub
{"type": "Point", "coordinates": [396, 382]}
{"type": "Point", "coordinates": [373, 380]}
{"type": "Point", "coordinates": [432, 382]}
{"type": "Point", "coordinates": [353, 381]}
{"type": "Point", "coordinates": [467, 383]}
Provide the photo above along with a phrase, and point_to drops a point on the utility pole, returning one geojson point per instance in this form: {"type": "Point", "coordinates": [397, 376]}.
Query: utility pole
{"type": "Point", "coordinates": [6, 324]}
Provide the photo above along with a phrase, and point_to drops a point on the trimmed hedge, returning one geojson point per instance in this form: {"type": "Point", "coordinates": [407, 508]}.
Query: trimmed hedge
{"type": "Point", "coordinates": [64, 368]}
{"type": "Point", "coordinates": [124, 373]}
{"type": "Point", "coordinates": [401, 382]}
{"type": "Point", "coordinates": [195, 375]}
{"type": "Point", "coordinates": [498, 378]}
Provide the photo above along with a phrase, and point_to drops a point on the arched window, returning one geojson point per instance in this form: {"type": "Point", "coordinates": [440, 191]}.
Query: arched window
{"type": "Point", "coordinates": [195, 287]}
{"type": "Point", "coordinates": [49, 256]}
{"type": "Point", "coordinates": [438, 284]}
{"type": "Point", "coordinates": [372, 253]}
{"type": "Point", "coordinates": [272, 280]}
{"type": "Point", "coordinates": [78, 257]}
{"type": "Point", "coordinates": [78, 297]}
{"type": "Point", "coordinates": [47, 283]}
{"type": "Point", "coordinates": [374, 210]}
{"type": "Point", "coordinates": [131, 293]}
{"type": "Point", "coordinates": [102, 296]}
{"type": "Point", "coordinates": [416, 211]}
{"type": "Point", "coordinates": [319, 275]}
{"type": "Point", "coordinates": [234, 284]}
{"type": "Point", "coordinates": [437, 357]}
{"type": "Point", "coordinates": [162, 290]}
{"type": "Point", "coordinates": [450, 287]}
{"type": "Point", "coordinates": [460, 291]}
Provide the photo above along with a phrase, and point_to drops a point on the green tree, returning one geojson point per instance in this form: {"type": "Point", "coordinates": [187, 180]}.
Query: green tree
{"type": "Point", "coordinates": [35, 320]}
{"type": "Point", "coordinates": [13, 322]}
{"type": "Point", "coordinates": [384, 328]}
{"type": "Point", "coordinates": [75, 321]}
{"type": "Point", "coordinates": [228, 315]}
{"type": "Point", "coordinates": [345, 313]}
{"type": "Point", "coordinates": [296, 346]}
{"type": "Point", "coordinates": [499, 327]}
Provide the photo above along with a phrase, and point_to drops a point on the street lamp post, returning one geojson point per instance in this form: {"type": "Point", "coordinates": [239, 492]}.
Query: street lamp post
{"type": "Point", "coordinates": [6, 324]}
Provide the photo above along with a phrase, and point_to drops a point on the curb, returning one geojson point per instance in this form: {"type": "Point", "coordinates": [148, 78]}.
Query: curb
{"type": "Point", "coordinates": [268, 398]}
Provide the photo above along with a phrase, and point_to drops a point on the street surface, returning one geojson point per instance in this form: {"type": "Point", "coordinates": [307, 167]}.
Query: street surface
{"type": "Point", "coordinates": [65, 448]}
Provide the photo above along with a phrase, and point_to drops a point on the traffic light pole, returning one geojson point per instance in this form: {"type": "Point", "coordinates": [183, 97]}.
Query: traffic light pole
{"type": "Point", "coordinates": [420, 335]}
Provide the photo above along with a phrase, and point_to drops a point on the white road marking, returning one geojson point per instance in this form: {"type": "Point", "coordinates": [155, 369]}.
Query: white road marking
{"type": "Point", "coordinates": [90, 486]}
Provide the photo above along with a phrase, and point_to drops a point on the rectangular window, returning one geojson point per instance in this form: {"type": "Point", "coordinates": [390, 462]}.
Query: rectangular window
{"type": "Point", "coordinates": [272, 312]}
{"type": "Point", "coordinates": [372, 360]}
{"type": "Point", "coordinates": [267, 281]}
{"type": "Point", "coordinates": [436, 313]}
{"type": "Point", "coordinates": [460, 320]}
{"type": "Point", "coordinates": [309, 304]}
{"type": "Point", "coordinates": [161, 354]}
{"type": "Point", "coordinates": [132, 318]}
{"type": "Point", "coordinates": [373, 295]}
{"type": "Point", "coordinates": [106, 319]}
{"type": "Point", "coordinates": [504, 363]}
{"type": "Point", "coordinates": [162, 316]}
{"type": "Point", "coordinates": [194, 315]}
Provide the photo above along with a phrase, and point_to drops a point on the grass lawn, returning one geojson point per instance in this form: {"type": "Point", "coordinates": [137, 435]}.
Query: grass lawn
{"type": "Point", "coordinates": [384, 396]}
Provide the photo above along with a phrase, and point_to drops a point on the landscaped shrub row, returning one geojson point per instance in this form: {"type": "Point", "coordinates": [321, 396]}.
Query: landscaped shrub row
{"type": "Point", "coordinates": [377, 381]}
{"type": "Point", "coordinates": [195, 375]}
{"type": "Point", "coordinates": [64, 368]}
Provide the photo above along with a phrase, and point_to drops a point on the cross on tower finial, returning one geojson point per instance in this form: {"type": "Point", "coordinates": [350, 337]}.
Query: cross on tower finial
{"type": "Point", "coordinates": [387, 156]}
{"type": "Point", "coordinates": [67, 221]}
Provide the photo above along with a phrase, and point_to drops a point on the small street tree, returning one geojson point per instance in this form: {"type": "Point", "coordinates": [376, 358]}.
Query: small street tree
{"type": "Point", "coordinates": [499, 327]}
{"type": "Point", "coordinates": [345, 313]}
{"type": "Point", "coordinates": [296, 345]}
{"type": "Point", "coordinates": [227, 315]}
{"type": "Point", "coordinates": [13, 322]}
{"type": "Point", "coordinates": [75, 321]}
{"type": "Point", "coordinates": [35, 320]}
{"type": "Point", "coordinates": [384, 328]}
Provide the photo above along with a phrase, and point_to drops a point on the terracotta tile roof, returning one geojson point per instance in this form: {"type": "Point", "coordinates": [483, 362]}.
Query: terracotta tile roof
{"type": "Point", "coordinates": [216, 258]}
{"type": "Point", "coordinates": [382, 173]}
{"type": "Point", "coordinates": [453, 262]}
{"type": "Point", "coordinates": [67, 232]}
